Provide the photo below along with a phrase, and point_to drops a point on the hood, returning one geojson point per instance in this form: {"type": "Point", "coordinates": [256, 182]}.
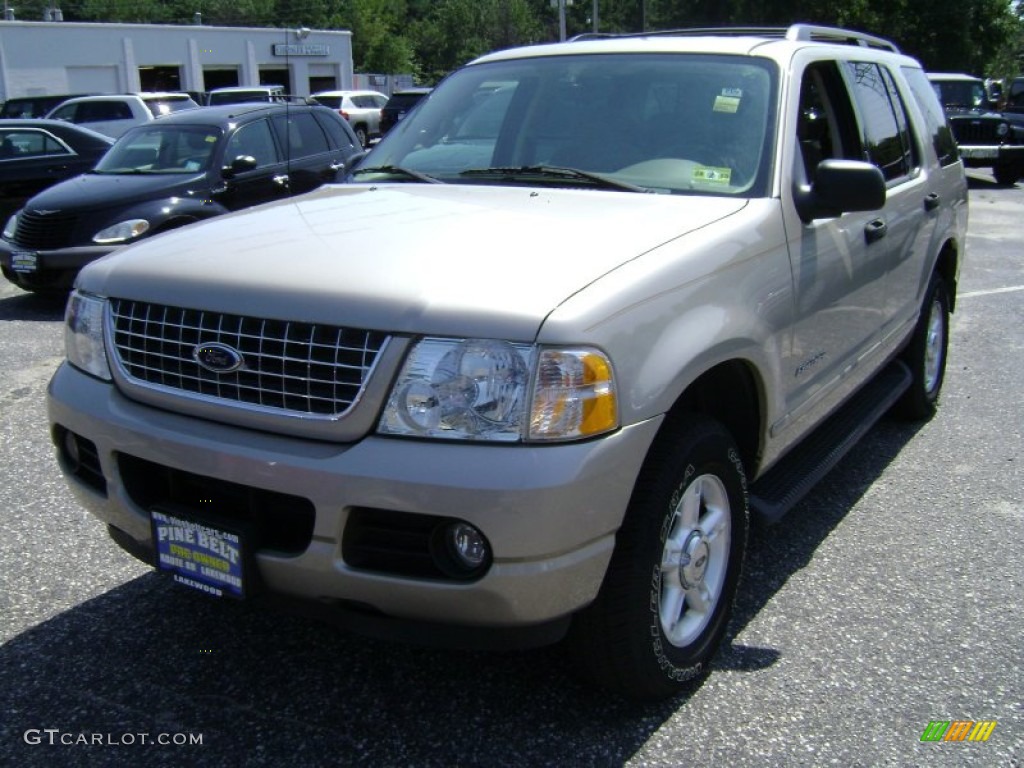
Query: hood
{"type": "Point", "coordinates": [95, 191]}
{"type": "Point", "coordinates": [413, 258]}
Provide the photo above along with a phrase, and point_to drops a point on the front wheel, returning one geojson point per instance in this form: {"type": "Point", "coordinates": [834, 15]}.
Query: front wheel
{"type": "Point", "coordinates": [926, 355]}
{"type": "Point", "coordinates": [665, 603]}
{"type": "Point", "coordinates": [1007, 174]}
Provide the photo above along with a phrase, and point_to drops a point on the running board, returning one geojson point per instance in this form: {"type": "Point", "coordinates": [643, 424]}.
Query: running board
{"type": "Point", "coordinates": [785, 484]}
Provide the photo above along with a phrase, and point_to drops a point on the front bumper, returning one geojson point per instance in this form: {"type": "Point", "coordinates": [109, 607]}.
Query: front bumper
{"type": "Point", "coordinates": [550, 512]}
{"type": "Point", "coordinates": [28, 267]}
{"type": "Point", "coordinates": [987, 154]}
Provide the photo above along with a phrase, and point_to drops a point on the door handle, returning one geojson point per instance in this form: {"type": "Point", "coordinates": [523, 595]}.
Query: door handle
{"type": "Point", "coordinates": [931, 201]}
{"type": "Point", "coordinates": [875, 230]}
{"type": "Point", "coordinates": [281, 180]}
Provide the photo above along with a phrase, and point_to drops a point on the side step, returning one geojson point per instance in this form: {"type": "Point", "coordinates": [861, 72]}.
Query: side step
{"type": "Point", "coordinates": [785, 484]}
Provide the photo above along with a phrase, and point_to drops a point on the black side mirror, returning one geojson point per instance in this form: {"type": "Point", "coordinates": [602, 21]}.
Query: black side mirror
{"type": "Point", "coordinates": [840, 186]}
{"type": "Point", "coordinates": [240, 164]}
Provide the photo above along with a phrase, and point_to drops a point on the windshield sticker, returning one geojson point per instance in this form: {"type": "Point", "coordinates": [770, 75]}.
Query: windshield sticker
{"type": "Point", "coordinates": [708, 175]}
{"type": "Point", "coordinates": [728, 100]}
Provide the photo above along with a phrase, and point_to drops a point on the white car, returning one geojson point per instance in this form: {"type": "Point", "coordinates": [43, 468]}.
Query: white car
{"type": "Point", "coordinates": [360, 108]}
{"type": "Point", "coordinates": [244, 94]}
{"type": "Point", "coordinates": [113, 114]}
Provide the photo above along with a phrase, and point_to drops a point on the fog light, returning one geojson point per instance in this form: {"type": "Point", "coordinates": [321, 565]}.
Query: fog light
{"type": "Point", "coordinates": [468, 545]}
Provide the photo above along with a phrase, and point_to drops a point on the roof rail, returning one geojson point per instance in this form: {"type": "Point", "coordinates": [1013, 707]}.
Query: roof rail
{"type": "Point", "coordinates": [797, 32]}
{"type": "Point", "coordinates": [837, 35]}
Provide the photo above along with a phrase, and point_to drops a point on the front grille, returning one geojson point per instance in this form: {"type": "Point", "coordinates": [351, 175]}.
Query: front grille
{"type": "Point", "coordinates": [298, 368]}
{"type": "Point", "coordinates": [47, 232]}
{"type": "Point", "coordinates": [974, 131]}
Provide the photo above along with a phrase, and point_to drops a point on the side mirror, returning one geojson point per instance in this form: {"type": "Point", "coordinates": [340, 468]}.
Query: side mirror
{"type": "Point", "coordinates": [240, 164]}
{"type": "Point", "coordinates": [840, 186]}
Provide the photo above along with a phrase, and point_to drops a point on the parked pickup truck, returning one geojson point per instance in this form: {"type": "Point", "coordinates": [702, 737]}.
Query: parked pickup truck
{"type": "Point", "coordinates": [525, 378]}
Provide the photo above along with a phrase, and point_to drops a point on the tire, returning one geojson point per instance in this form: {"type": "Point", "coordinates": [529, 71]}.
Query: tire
{"type": "Point", "coordinates": [1006, 174]}
{"type": "Point", "coordinates": [665, 603]}
{"type": "Point", "coordinates": [361, 135]}
{"type": "Point", "coordinates": [926, 355]}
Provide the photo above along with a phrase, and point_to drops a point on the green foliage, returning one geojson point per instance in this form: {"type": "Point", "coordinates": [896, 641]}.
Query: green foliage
{"type": "Point", "coordinates": [432, 37]}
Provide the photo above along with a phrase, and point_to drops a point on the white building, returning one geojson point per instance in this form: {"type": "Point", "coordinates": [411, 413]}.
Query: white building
{"type": "Point", "coordinates": [41, 58]}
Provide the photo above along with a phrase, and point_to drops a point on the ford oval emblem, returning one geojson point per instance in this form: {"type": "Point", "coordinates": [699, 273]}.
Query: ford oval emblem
{"type": "Point", "coordinates": [217, 358]}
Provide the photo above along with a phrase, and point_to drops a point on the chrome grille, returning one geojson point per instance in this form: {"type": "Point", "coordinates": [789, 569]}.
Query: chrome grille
{"type": "Point", "coordinates": [299, 368]}
{"type": "Point", "coordinates": [43, 232]}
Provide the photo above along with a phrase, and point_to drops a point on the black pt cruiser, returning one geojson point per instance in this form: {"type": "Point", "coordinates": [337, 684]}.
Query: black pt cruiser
{"type": "Point", "coordinates": [184, 167]}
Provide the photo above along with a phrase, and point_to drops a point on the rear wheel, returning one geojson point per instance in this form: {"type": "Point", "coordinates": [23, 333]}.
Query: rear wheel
{"type": "Point", "coordinates": [362, 136]}
{"type": "Point", "coordinates": [926, 355]}
{"type": "Point", "coordinates": [665, 603]}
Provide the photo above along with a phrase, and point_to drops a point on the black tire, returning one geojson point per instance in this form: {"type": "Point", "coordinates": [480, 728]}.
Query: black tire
{"type": "Point", "coordinates": [926, 355]}
{"type": "Point", "coordinates": [1006, 174]}
{"type": "Point", "coordinates": [692, 479]}
{"type": "Point", "coordinates": [362, 135]}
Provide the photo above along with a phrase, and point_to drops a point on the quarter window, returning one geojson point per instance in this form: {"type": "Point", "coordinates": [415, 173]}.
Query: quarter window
{"type": "Point", "coordinates": [934, 116]}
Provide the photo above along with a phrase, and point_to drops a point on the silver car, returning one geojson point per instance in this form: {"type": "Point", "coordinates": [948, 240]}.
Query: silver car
{"type": "Point", "coordinates": [360, 108]}
{"type": "Point", "coordinates": [526, 377]}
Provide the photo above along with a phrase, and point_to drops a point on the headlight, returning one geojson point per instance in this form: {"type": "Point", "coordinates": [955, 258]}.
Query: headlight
{"type": "Point", "coordinates": [83, 334]}
{"type": "Point", "coordinates": [122, 231]}
{"type": "Point", "coordinates": [483, 389]}
{"type": "Point", "coordinates": [11, 227]}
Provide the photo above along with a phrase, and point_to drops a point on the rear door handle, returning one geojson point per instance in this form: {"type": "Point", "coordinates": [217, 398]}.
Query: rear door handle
{"type": "Point", "coordinates": [875, 230]}
{"type": "Point", "coordinates": [281, 180]}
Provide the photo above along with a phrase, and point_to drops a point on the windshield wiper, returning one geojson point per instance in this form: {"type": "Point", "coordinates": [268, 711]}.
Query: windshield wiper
{"type": "Point", "coordinates": [553, 172]}
{"type": "Point", "coordinates": [397, 170]}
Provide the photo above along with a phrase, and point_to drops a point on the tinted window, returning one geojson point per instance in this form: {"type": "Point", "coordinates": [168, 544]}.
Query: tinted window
{"type": "Point", "coordinates": [885, 141]}
{"type": "Point", "coordinates": [252, 140]}
{"type": "Point", "coordinates": [330, 101]}
{"type": "Point", "coordinates": [935, 117]}
{"type": "Point", "coordinates": [337, 129]}
{"type": "Point", "coordinates": [27, 143]}
{"type": "Point", "coordinates": [301, 134]}
{"type": "Point", "coordinates": [67, 112]}
{"type": "Point", "coordinates": [98, 111]}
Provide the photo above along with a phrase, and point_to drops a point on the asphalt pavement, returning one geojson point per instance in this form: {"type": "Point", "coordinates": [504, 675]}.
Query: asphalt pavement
{"type": "Point", "coordinates": [889, 599]}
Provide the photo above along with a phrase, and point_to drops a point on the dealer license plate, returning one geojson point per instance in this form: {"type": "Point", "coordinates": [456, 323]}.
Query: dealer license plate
{"type": "Point", "coordinates": [24, 261]}
{"type": "Point", "coordinates": [198, 555]}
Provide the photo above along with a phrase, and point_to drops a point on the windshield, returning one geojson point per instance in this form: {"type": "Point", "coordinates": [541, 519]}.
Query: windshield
{"type": "Point", "coordinates": [166, 149]}
{"type": "Point", "coordinates": [962, 93]}
{"type": "Point", "coordinates": [670, 123]}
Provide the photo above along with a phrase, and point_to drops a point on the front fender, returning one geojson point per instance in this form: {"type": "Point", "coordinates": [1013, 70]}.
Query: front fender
{"type": "Point", "coordinates": [172, 212]}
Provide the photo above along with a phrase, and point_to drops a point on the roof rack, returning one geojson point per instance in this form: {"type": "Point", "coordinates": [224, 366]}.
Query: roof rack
{"type": "Point", "coordinates": [797, 32]}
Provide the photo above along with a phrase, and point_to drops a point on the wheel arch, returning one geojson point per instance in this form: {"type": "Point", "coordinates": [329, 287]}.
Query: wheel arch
{"type": "Point", "coordinates": [732, 393]}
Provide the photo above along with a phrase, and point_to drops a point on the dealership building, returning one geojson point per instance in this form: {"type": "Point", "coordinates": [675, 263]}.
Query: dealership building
{"type": "Point", "coordinates": [57, 57]}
